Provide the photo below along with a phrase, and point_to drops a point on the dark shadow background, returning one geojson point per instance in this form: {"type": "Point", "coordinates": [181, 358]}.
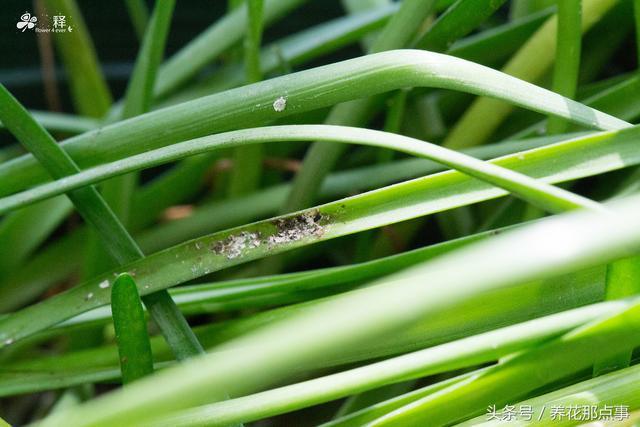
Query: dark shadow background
{"type": "Point", "coordinates": [116, 42]}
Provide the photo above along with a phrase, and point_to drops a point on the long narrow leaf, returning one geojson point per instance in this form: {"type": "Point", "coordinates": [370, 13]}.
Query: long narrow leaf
{"type": "Point", "coordinates": [569, 354]}
{"type": "Point", "coordinates": [529, 63]}
{"type": "Point", "coordinates": [470, 351]}
{"type": "Point", "coordinates": [95, 211]}
{"type": "Point", "coordinates": [131, 330]}
{"type": "Point", "coordinates": [567, 64]}
{"type": "Point", "coordinates": [541, 194]}
{"type": "Point", "coordinates": [553, 246]}
{"type": "Point", "coordinates": [89, 89]}
{"type": "Point", "coordinates": [303, 91]}
{"type": "Point", "coordinates": [573, 159]}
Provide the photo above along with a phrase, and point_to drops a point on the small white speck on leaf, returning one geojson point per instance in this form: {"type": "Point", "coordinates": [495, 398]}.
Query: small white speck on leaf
{"type": "Point", "coordinates": [89, 296]}
{"type": "Point", "coordinates": [280, 104]}
{"type": "Point", "coordinates": [8, 341]}
{"type": "Point", "coordinates": [104, 284]}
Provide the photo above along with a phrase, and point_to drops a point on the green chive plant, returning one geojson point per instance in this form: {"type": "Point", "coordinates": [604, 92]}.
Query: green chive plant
{"type": "Point", "coordinates": [401, 213]}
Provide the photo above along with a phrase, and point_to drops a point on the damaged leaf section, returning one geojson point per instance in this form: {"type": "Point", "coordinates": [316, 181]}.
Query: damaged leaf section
{"type": "Point", "coordinates": [235, 244]}
{"type": "Point", "coordinates": [289, 229]}
{"type": "Point", "coordinates": [297, 227]}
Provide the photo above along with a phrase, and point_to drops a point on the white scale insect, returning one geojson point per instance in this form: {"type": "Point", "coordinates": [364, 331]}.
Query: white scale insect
{"type": "Point", "coordinates": [280, 104]}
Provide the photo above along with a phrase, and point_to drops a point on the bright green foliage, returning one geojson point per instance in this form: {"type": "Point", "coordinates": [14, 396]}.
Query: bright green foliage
{"type": "Point", "coordinates": [568, 46]}
{"type": "Point", "coordinates": [89, 90]}
{"type": "Point", "coordinates": [247, 161]}
{"type": "Point", "coordinates": [95, 211]}
{"type": "Point", "coordinates": [363, 219]}
{"type": "Point", "coordinates": [130, 329]}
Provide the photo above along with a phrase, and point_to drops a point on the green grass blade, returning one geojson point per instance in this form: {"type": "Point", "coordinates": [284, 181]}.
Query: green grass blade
{"type": "Point", "coordinates": [96, 212]}
{"type": "Point", "coordinates": [636, 17]}
{"type": "Point", "coordinates": [614, 389]}
{"type": "Point", "coordinates": [371, 413]}
{"type": "Point", "coordinates": [59, 260]}
{"type": "Point", "coordinates": [567, 64]}
{"type": "Point", "coordinates": [486, 47]}
{"type": "Point", "coordinates": [253, 40]}
{"type": "Point", "coordinates": [59, 164]}
{"type": "Point", "coordinates": [140, 89]}
{"type": "Point", "coordinates": [511, 305]}
{"type": "Point", "coordinates": [212, 42]}
{"type": "Point", "coordinates": [21, 232]}
{"type": "Point", "coordinates": [619, 100]}
{"type": "Point", "coordinates": [582, 239]}
{"type": "Point", "coordinates": [460, 19]}
{"type": "Point", "coordinates": [479, 245]}
{"type": "Point", "coordinates": [222, 214]}
{"type": "Point", "coordinates": [516, 376]}
{"type": "Point", "coordinates": [40, 380]}
{"type": "Point", "coordinates": [543, 297]}
{"type": "Point", "coordinates": [211, 217]}
{"type": "Point", "coordinates": [470, 351]}
{"type": "Point", "coordinates": [494, 45]}
{"type": "Point", "coordinates": [521, 8]}
{"type": "Point", "coordinates": [566, 67]}
{"type": "Point", "coordinates": [456, 22]}
{"type": "Point", "coordinates": [89, 90]}
{"type": "Point", "coordinates": [357, 402]}
{"type": "Point", "coordinates": [321, 157]}
{"type": "Point", "coordinates": [401, 28]}
{"type": "Point", "coordinates": [530, 62]}
{"type": "Point", "coordinates": [573, 159]}
{"type": "Point", "coordinates": [61, 122]}
{"type": "Point", "coordinates": [622, 280]}
{"type": "Point", "coordinates": [247, 161]}
{"type": "Point", "coordinates": [139, 16]}
{"type": "Point", "coordinates": [118, 193]}
{"type": "Point", "coordinates": [353, 7]}
{"type": "Point", "coordinates": [622, 276]}
{"type": "Point", "coordinates": [542, 195]}
{"type": "Point", "coordinates": [131, 330]}
{"type": "Point", "coordinates": [566, 293]}
{"type": "Point", "coordinates": [293, 50]}
{"type": "Point", "coordinates": [305, 91]}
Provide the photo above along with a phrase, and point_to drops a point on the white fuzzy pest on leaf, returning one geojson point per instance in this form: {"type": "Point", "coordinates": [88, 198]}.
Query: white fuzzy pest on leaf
{"type": "Point", "coordinates": [280, 104]}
